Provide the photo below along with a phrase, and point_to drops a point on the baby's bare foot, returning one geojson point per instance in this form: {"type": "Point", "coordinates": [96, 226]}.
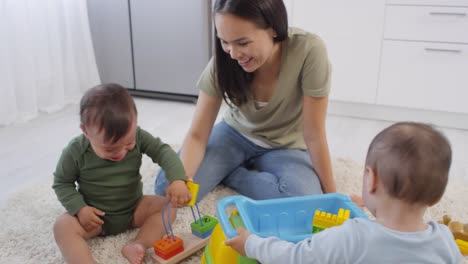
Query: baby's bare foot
{"type": "Point", "coordinates": [134, 252]}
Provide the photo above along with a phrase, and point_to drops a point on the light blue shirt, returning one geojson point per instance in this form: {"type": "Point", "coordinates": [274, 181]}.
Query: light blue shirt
{"type": "Point", "coordinates": [360, 241]}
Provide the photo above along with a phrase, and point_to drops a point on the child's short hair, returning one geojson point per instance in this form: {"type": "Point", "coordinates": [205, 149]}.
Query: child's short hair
{"type": "Point", "coordinates": [412, 160]}
{"type": "Point", "coordinates": [109, 107]}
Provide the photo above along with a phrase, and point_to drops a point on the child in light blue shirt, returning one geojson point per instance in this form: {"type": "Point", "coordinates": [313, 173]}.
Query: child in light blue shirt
{"type": "Point", "coordinates": [406, 172]}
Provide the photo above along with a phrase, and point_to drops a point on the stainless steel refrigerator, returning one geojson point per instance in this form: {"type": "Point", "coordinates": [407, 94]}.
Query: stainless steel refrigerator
{"type": "Point", "coordinates": [155, 48]}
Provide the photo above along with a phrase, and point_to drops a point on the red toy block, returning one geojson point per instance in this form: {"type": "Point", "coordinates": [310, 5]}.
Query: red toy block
{"type": "Point", "coordinates": [191, 245]}
{"type": "Point", "coordinates": [170, 255]}
{"type": "Point", "coordinates": [167, 247]}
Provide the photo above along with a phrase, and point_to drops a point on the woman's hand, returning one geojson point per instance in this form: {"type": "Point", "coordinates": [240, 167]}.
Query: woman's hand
{"type": "Point", "coordinates": [178, 194]}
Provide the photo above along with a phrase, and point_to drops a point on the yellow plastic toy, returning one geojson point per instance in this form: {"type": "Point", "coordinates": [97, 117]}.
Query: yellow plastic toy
{"type": "Point", "coordinates": [463, 246]}
{"type": "Point", "coordinates": [193, 189]}
{"type": "Point", "coordinates": [217, 252]}
{"type": "Point", "coordinates": [324, 219]}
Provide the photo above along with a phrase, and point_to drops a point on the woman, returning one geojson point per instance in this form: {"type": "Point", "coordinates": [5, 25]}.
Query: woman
{"type": "Point", "coordinates": [272, 141]}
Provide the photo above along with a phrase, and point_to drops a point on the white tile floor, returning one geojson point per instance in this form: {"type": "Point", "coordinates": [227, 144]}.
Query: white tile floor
{"type": "Point", "coordinates": [29, 151]}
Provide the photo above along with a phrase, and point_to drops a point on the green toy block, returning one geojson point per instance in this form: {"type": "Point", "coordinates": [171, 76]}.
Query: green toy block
{"type": "Point", "coordinates": [208, 224]}
{"type": "Point", "coordinates": [316, 229]}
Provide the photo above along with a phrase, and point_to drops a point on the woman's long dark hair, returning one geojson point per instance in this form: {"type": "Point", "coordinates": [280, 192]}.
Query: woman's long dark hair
{"type": "Point", "coordinates": [232, 80]}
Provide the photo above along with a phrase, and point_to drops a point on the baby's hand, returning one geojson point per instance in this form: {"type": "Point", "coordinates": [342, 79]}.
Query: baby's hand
{"type": "Point", "coordinates": [238, 242]}
{"type": "Point", "coordinates": [178, 193]}
{"type": "Point", "coordinates": [358, 201]}
{"type": "Point", "coordinates": [89, 217]}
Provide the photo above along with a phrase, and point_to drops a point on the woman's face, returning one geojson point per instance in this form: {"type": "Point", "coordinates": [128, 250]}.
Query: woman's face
{"type": "Point", "coordinates": [249, 45]}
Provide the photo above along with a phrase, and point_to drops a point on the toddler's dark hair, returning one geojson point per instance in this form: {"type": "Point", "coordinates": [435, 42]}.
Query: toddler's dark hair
{"type": "Point", "coordinates": [109, 107]}
{"type": "Point", "coordinates": [412, 160]}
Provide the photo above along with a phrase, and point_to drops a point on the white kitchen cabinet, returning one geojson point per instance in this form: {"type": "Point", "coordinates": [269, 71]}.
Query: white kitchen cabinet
{"type": "Point", "coordinates": [427, 23]}
{"type": "Point", "coordinates": [427, 76]}
{"type": "Point", "coordinates": [424, 63]}
{"type": "Point", "coordinates": [352, 31]}
{"type": "Point", "coordinates": [393, 59]}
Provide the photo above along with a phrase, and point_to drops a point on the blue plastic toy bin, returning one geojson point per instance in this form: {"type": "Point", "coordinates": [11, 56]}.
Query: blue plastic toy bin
{"type": "Point", "coordinates": [286, 218]}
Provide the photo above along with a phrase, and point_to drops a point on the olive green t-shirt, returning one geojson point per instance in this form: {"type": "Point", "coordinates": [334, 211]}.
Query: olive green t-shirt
{"type": "Point", "coordinates": [82, 178]}
{"type": "Point", "coordinates": [305, 71]}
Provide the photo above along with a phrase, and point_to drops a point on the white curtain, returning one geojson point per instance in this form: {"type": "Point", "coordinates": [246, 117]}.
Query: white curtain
{"type": "Point", "coordinates": [46, 57]}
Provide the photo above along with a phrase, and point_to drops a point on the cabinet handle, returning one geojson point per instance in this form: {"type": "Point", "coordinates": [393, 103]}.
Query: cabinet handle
{"type": "Point", "coordinates": [447, 14]}
{"type": "Point", "coordinates": [443, 50]}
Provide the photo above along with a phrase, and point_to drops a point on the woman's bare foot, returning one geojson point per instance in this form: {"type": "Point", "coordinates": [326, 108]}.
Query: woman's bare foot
{"type": "Point", "coordinates": [134, 252]}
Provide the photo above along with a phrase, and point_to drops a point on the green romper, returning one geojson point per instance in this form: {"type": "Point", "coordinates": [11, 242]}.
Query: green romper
{"type": "Point", "coordinates": [82, 178]}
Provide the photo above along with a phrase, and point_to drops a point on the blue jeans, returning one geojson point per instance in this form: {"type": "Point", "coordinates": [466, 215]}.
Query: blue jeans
{"type": "Point", "coordinates": [256, 172]}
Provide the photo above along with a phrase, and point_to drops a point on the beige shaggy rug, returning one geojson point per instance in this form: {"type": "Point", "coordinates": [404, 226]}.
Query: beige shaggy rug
{"type": "Point", "coordinates": [26, 220]}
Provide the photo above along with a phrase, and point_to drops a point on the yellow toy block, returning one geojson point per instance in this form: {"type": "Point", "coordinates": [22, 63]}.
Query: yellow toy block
{"type": "Point", "coordinates": [463, 246]}
{"type": "Point", "coordinates": [324, 220]}
{"type": "Point", "coordinates": [193, 189]}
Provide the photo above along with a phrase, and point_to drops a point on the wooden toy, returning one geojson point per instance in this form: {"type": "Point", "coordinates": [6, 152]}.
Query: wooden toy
{"type": "Point", "coordinates": [191, 245]}
{"type": "Point", "coordinates": [168, 246]}
{"type": "Point", "coordinates": [173, 249]}
{"type": "Point", "coordinates": [459, 231]}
